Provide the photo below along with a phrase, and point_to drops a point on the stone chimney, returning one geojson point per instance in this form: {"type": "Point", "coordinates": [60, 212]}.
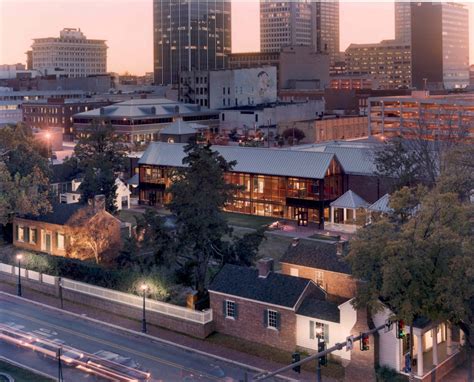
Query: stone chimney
{"type": "Point", "coordinates": [99, 203]}
{"type": "Point", "coordinates": [264, 266]}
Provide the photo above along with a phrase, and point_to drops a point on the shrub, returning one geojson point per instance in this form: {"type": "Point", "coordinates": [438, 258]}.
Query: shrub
{"type": "Point", "coordinates": [386, 374]}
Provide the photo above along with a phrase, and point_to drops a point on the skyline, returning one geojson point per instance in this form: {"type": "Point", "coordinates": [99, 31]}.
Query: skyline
{"type": "Point", "coordinates": [132, 37]}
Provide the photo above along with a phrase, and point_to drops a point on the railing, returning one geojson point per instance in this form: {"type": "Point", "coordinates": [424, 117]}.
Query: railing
{"type": "Point", "coordinates": [108, 294]}
{"type": "Point", "coordinates": [137, 301]}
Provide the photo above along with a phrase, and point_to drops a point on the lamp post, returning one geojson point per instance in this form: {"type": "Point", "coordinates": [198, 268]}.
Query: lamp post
{"type": "Point", "coordinates": [19, 257]}
{"type": "Point", "coordinates": [144, 288]}
{"type": "Point", "coordinates": [319, 332]}
{"type": "Point", "coordinates": [61, 292]}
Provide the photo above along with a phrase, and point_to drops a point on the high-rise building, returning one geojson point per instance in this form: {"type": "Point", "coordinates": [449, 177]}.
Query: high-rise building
{"type": "Point", "coordinates": [403, 21]}
{"type": "Point", "coordinates": [439, 35]}
{"type": "Point", "coordinates": [71, 52]}
{"type": "Point", "coordinates": [304, 22]}
{"type": "Point", "coordinates": [190, 35]}
{"type": "Point", "coordinates": [388, 63]}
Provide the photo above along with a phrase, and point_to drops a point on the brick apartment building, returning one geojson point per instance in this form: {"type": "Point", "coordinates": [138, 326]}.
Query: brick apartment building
{"type": "Point", "coordinates": [56, 113]}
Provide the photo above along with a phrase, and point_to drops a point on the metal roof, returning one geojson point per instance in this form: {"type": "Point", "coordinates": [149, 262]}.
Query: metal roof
{"type": "Point", "coordinates": [264, 161]}
{"type": "Point", "coordinates": [148, 107]}
{"type": "Point", "coordinates": [355, 158]}
{"type": "Point", "coordinates": [349, 200]}
{"type": "Point", "coordinates": [182, 128]}
{"type": "Point", "coordinates": [381, 205]}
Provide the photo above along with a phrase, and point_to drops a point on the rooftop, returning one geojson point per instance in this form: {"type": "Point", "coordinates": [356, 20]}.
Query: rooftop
{"type": "Point", "coordinates": [349, 200]}
{"type": "Point", "coordinates": [147, 107]}
{"type": "Point", "coordinates": [316, 255]}
{"type": "Point", "coordinates": [265, 161]}
{"type": "Point", "coordinates": [182, 128]}
{"type": "Point", "coordinates": [60, 214]}
{"type": "Point", "coordinates": [322, 309]}
{"type": "Point", "coordinates": [276, 288]}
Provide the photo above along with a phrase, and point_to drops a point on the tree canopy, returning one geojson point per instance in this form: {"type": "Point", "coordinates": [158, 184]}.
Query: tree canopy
{"type": "Point", "coordinates": [99, 158]}
{"type": "Point", "coordinates": [24, 171]}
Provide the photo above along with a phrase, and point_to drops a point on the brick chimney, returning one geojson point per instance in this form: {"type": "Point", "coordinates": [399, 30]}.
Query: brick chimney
{"type": "Point", "coordinates": [264, 266]}
{"type": "Point", "coordinates": [99, 203]}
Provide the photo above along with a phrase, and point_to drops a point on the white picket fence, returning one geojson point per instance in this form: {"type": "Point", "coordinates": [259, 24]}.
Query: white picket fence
{"type": "Point", "coordinates": [108, 294]}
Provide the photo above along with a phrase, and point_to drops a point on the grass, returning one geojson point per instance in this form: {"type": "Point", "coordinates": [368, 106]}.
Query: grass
{"type": "Point", "coordinates": [248, 221]}
{"type": "Point", "coordinates": [333, 370]}
{"type": "Point", "coordinates": [21, 375]}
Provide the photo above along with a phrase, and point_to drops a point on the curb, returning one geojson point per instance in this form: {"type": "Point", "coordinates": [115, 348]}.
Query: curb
{"type": "Point", "coordinates": [14, 363]}
{"type": "Point", "coordinates": [147, 336]}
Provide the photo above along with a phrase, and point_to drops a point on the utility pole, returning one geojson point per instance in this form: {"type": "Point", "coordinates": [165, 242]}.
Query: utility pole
{"type": "Point", "coordinates": [60, 368]}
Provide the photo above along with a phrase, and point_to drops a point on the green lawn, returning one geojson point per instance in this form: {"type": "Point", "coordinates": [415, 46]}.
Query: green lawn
{"type": "Point", "coordinates": [333, 370]}
{"type": "Point", "coordinates": [248, 221]}
{"type": "Point", "coordinates": [21, 375]}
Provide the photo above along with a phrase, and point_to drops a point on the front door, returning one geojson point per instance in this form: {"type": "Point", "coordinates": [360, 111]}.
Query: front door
{"type": "Point", "coordinates": [302, 217]}
{"type": "Point", "coordinates": [152, 198]}
{"type": "Point", "coordinates": [46, 242]}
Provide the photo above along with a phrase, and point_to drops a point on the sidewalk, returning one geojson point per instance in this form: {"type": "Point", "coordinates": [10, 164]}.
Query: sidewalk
{"type": "Point", "coordinates": [194, 343]}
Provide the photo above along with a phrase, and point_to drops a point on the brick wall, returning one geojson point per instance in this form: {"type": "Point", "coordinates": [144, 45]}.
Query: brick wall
{"type": "Point", "coordinates": [190, 328]}
{"type": "Point", "coordinates": [249, 323]}
{"type": "Point", "coordinates": [444, 368]}
{"type": "Point", "coordinates": [336, 284]}
{"type": "Point", "coordinates": [53, 228]}
{"type": "Point", "coordinates": [370, 188]}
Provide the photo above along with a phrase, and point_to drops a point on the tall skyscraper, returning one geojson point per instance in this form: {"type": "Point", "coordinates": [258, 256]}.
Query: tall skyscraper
{"type": "Point", "coordinates": [190, 35]}
{"type": "Point", "coordinates": [440, 45]}
{"type": "Point", "coordinates": [72, 52]}
{"type": "Point", "coordinates": [403, 21]}
{"type": "Point", "coordinates": [302, 22]}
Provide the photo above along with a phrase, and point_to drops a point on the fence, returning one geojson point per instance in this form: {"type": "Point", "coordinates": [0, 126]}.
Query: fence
{"type": "Point", "coordinates": [137, 301]}
{"type": "Point", "coordinates": [164, 308]}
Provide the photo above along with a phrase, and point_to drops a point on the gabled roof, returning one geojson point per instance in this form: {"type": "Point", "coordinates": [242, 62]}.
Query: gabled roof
{"type": "Point", "coordinates": [349, 200]}
{"type": "Point", "coordinates": [276, 288]}
{"type": "Point", "coordinates": [60, 214]}
{"type": "Point", "coordinates": [316, 255]}
{"type": "Point", "coordinates": [381, 205]}
{"type": "Point", "coordinates": [321, 309]}
{"type": "Point", "coordinates": [265, 161]}
{"type": "Point", "coordinates": [181, 128]}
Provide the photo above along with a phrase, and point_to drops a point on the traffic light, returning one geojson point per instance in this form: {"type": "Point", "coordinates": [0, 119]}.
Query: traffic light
{"type": "Point", "coordinates": [323, 360]}
{"type": "Point", "coordinates": [364, 342]}
{"type": "Point", "coordinates": [295, 357]}
{"type": "Point", "coordinates": [400, 329]}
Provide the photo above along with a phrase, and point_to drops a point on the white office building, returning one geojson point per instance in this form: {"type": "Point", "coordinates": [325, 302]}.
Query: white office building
{"type": "Point", "coordinates": [72, 52]}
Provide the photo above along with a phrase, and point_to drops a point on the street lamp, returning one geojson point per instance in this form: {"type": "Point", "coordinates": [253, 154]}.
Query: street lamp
{"type": "Point", "coordinates": [319, 333]}
{"type": "Point", "coordinates": [144, 288]}
{"type": "Point", "coordinates": [19, 257]}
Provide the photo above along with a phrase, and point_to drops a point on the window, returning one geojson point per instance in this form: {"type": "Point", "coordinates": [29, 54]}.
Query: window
{"type": "Point", "coordinates": [318, 328]}
{"type": "Point", "coordinates": [319, 278]}
{"type": "Point", "coordinates": [273, 319]}
{"type": "Point", "coordinates": [33, 236]}
{"type": "Point", "coordinates": [294, 272]}
{"type": "Point", "coordinates": [230, 309]}
{"type": "Point", "coordinates": [60, 240]}
{"type": "Point", "coordinates": [21, 233]}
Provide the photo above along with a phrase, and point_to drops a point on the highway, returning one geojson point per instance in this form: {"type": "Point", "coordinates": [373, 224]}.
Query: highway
{"type": "Point", "coordinates": [165, 362]}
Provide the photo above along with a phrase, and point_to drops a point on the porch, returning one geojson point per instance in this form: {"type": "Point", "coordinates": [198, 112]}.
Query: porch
{"type": "Point", "coordinates": [433, 346]}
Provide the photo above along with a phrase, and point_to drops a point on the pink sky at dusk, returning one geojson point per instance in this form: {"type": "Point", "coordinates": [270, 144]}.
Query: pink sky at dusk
{"type": "Point", "coordinates": [127, 27]}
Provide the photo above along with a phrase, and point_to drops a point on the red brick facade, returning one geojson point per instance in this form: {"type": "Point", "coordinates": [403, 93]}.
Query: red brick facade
{"type": "Point", "coordinates": [335, 284]}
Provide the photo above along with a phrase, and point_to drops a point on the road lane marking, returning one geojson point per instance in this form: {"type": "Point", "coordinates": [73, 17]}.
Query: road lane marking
{"type": "Point", "coordinates": [111, 344]}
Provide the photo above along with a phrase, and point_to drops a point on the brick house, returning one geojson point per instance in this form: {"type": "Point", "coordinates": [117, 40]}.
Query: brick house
{"type": "Point", "coordinates": [277, 310]}
{"type": "Point", "coordinates": [52, 233]}
{"type": "Point", "coordinates": [322, 264]}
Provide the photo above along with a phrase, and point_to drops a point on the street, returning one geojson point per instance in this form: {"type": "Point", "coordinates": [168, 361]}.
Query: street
{"type": "Point", "coordinates": [163, 361]}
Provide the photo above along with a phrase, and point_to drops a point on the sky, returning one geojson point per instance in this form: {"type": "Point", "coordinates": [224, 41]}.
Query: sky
{"type": "Point", "coordinates": [127, 27]}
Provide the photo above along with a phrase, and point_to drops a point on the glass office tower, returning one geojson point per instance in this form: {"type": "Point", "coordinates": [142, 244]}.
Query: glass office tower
{"type": "Point", "coordinates": [190, 35]}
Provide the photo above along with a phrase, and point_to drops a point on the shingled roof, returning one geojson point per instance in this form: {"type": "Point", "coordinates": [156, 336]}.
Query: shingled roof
{"type": "Point", "coordinates": [316, 255]}
{"type": "Point", "coordinates": [316, 308]}
{"type": "Point", "coordinates": [276, 288]}
{"type": "Point", "coordinates": [60, 214]}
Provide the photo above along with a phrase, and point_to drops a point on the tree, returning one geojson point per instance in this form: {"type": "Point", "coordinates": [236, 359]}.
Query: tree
{"type": "Point", "coordinates": [93, 234]}
{"type": "Point", "coordinates": [243, 251]}
{"type": "Point", "coordinates": [293, 135]}
{"type": "Point", "coordinates": [24, 185]}
{"type": "Point", "coordinates": [100, 158]}
{"type": "Point", "coordinates": [416, 265]}
{"type": "Point", "coordinates": [199, 192]}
